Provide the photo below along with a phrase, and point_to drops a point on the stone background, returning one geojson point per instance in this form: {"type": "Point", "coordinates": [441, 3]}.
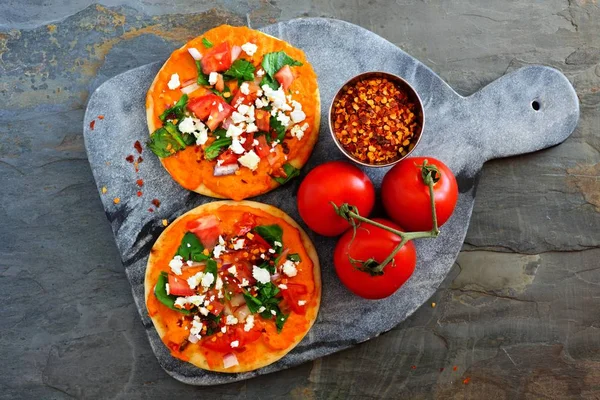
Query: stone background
{"type": "Point", "coordinates": [517, 317]}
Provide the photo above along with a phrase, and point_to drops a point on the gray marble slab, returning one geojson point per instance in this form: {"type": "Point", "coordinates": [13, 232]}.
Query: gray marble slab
{"type": "Point", "coordinates": [464, 132]}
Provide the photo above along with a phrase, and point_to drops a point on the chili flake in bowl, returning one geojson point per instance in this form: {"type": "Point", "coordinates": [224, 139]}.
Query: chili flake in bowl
{"type": "Point", "coordinates": [376, 119]}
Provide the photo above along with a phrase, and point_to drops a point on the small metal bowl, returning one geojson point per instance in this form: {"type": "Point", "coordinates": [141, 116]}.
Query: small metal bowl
{"type": "Point", "coordinates": [404, 86]}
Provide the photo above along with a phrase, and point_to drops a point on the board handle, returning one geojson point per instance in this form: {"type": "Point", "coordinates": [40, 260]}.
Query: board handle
{"type": "Point", "coordinates": [533, 107]}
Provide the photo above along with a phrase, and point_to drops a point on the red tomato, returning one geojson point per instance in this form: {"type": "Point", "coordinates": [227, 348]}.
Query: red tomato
{"type": "Point", "coordinates": [220, 85]}
{"type": "Point", "coordinates": [227, 157]}
{"type": "Point", "coordinates": [210, 108]}
{"type": "Point", "coordinates": [262, 120]}
{"type": "Point", "coordinates": [249, 141]}
{"type": "Point", "coordinates": [222, 343]}
{"type": "Point", "coordinates": [335, 181]}
{"type": "Point", "coordinates": [292, 295]}
{"type": "Point", "coordinates": [217, 307]}
{"type": "Point", "coordinates": [246, 224]}
{"type": "Point", "coordinates": [217, 59]}
{"type": "Point", "coordinates": [247, 99]}
{"type": "Point", "coordinates": [206, 228]}
{"type": "Point", "coordinates": [285, 77]}
{"type": "Point", "coordinates": [406, 197]}
{"type": "Point", "coordinates": [262, 149]}
{"type": "Point", "coordinates": [376, 243]}
{"type": "Point", "coordinates": [179, 287]}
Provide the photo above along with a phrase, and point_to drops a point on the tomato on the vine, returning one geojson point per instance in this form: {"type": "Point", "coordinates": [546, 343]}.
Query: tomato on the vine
{"type": "Point", "coordinates": [406, 196]}
{"type": "Point", "coordinates": [335, 181]}
{"type": "Point", "coordinates": [374, 243]}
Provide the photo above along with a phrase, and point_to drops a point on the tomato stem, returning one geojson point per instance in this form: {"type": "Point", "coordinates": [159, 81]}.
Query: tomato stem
{"type": "Point", "coordinates": [350, 213]}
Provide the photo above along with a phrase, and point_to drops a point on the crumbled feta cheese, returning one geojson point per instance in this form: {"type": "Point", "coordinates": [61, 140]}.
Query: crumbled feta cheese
{"type": "Point", "coordinates": [297, 132]}
{"type": "Point", "coordinates": [245, 89]}
{"type": "Point", "coordinates": [284, 119]}
{"type": "Point", "coordinates": [232, 270]}
{"type": "Point", "coordinates": [277, 244]}
{"type": "Point", "coordinates": [181, 302]}
{"type": "Point", "coordinates": [201, 136]}
{"type": "Point", "coordinates": [194, 280]}
{"type": "Point", "coordinates": [260, 73]}
{"type": "Point", "coordinates": [223, 329]}
{"type": "Point", "coordinates": [221, 240]}
{"type": "Point", "coordinates": [289, 268]}
{"type": "Point", "coordinates": [282, 286]}
{"type": "Point", "coordinates": [208, 280]}
{"type": "Point", "coordinates": [220, 108]}
{"type": "Point", "coordinates": [261, 309]}
{"type": "Point", "coordinates": [239, 244]}
{"type": "Point", "coordinates": [175, 264]}
{"type": "Point", "coordinates": [263, 256]}
{"type": "Point", "coordinates": [297, 116]}
{"type": "Point", "coordinates": [212, 78]}
{"type": "Point", "coordinates": [187, 125]}
{"type": "Point", "coordinates": [196, 327]}
{"type": "Point", "coordinates": [235, 344]}
{"type": "Point", "coordinates": [231, 320]}
{"type": "Point", "coordinates": [234, 131]}
{"type": "Point", "coordinates": [255, 142]}
{"type": "Point", "coordinates": [244, 282]}
{"type": "Point", "coordinates": [261, 274]}
{"type": "Point", "coordinates": [196, 300]}
{"type": "Point", "coordinates": [237, 117]}
{"type": "Point", "coordinates": [301, 302]}
{"type": "Point", "coordinates": [277, 98]}
{"type": "Point", "coordinates": [167, 288]}
{"type": "Point", "coordinates": [243, 108]}
{"type": "Point", "coordinates": [305, 127]}
{"type": "Point", "coordinates": [203, 311]}
{"type": "Point", "coordinates": [296, 105]}
{"type": "Point", "coordinates": [273, 312]}
{"type": "Point", "coordinates": [195, 53]}
{"type": "Point", "coordinates": [219, 283]}
{"type": "Point", "coordinates": [259, 103]}
{"type": "Point", "coordinates": [236, 147]}
{"type": "Point", "coordinates": [217, 250]}
{"type": "Point", "coordinates": [249, 160]}
{"type": "Point", "coordinates": [174, 82]}
{"type": "Point", "coordinates": [249, 48]}
{"type": "Point", "coordinates": [272, 251]}
{"type": "Point", "coordinates": [249, 323]}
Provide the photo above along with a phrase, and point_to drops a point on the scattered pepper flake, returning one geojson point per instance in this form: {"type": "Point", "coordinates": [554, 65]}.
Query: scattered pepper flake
{"type": "Point", "coordinates": [151, 209]}
{"type": "Point", "coordinates": [139, 193]}
{"type": "Point", "coordinates": [116, 200]}
{"type": "Point", "coordinates": [140, 182]}
{"type": "Point", "coordinates": [454, 368]}
{"type": "Point", "coordinates": [140, 159]}
{"type": "Point", "coordinates": [104, 189]}
{"type": "Point", "coordinates": [92, 124]}
{"type": "Point", "coordinates": [442, 369]}
{"type": "Point", "coordinates": [138, 146]}
{"type": "Point", "coordinates": [413, 367]}
{"type": "Point", "coordinates": [433, 305]}
{"type": "Point", "coordinates": [165, 222]}
{"type": "Point", "coordinates": [130, 158]}
{"type": "Point", "coordinates": [100, 116]}
{"type": "Point", "coordinates": [466, 381]}
{"type": "Point", "coordinates": [156, 202]}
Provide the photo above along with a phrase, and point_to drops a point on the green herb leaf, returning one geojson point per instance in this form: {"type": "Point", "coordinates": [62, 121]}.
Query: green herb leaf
{"type": "Point", "coordinates": [295, 257]}
{"type": "Point", "coordinates": [271, 233]}
{"type": "Point", "coordinates": [177, 111]}
{"type": "Point", "coordinates": [202, 77]}
{"type": "Point", "coordinates": [252, 302]}
{"type": "Point", "coordinates": [273, 62]}
{"type": "Point", "coordinates": [220, 133]}
{"type": "Point", "coordinates": [280, 319]}
{"type": "Point", "coordinates": [172, 129]}
{"type": "Point", "coordinates": [268, 290]}
{"type": "Point", "coordinates": [191, 248]}
{"type": "Point", "coordinates": [163, 143]}
{"type": "Point", "coordinates": [211, 268]}
{"type": "Point", "coordinates": [207, 43]}
{"type": "Point", "coordinates": [242, 70]}
{"type": "Point", "coordinates": [160, 291]}
{"type": "Point", "coordinates": [215, 148]}
{"type": "Point", "coordinates": [270, 82]}
{"type": "Point", "coordinates": [278, 127]}
{"type": "Point", "coordinates": [291, 173]}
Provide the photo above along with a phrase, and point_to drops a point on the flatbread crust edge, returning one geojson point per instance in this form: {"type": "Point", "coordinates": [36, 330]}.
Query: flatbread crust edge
{"type": "Point", "coordinates": [267, 356]}
{"type": "Point", "coordinates": [297, 162]}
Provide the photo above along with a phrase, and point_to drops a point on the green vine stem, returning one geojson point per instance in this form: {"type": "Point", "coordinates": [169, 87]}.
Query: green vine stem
{"type": "Point", "coordinates": [430, 175]}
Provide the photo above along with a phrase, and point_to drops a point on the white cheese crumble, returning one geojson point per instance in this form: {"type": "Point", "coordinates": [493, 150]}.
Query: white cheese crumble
{"type": "Point", "coordinates": [187, 125]}
{"type": "Point", "coordinates": [194, 280]}
{"type": "Point", "coordinates": [249, 48]}
{"type": "Point", "coordinates": [259, 103]}
{"type": "Point", "coordinates": [174, 82]}
{"type": "Point", "coordinates": [273, 312]}
{"type": "Point", "coordinates": [249, 323]}
{"type": "Point", "coordinates": [219, 283]}
{"type": "Point", "coordinates": [235, 344]}
{"type": "Point", "coordinates": [203, 311]}
{"type": "Point", "coordinates": [289, 268]}
{"type": "Point", "coordinates": [239, 244]}
{"type": "Point", "coordinates": [261, 309]}
{"type": "Point", "coordinates": [255, 142]}
{"type": "Point", "coordinates": [220, 108]}
{"type": "Point", "coordinates": [260, 73]}
{"type": "Point", "coordinates": [213, 77]}
{"type": "Point", "coordinates": [175, 264]}
{"type": "Point", "coordinates": [181, 302]}
{"type": "Point", "coordinates": [208, 280]}
{"type": "Point", "coordinates": [261, 274]}
{"type": "Point", "coordinates": [232, 270]}
{"type": "Point", "coordinates": [272, 251]}
{"type": "Point", "coordinates": [167, 288]}
{"type": "Point", "coordinates": [234, 131]}
{"type": "Point", "coordinates": [196, 55]}
{"type": "Point", "coordinates": [282, 286]}
{"type": "Point", "coordinates": [196, 327]}
{"type": "Point", "coordinates": [236, 147]}
{"type": "Point", "coordinates": [218, 249]}
{"type": "Point", "coordinates": [244, 282]}
{"type": "Point", "coordinates": [284, 119]}
{"type": "Point", "coordinates": [297, 132]}
{"type": "Point", "coordinates": [251, 128]}
{"type": "Point", "coordinates": [245, 89]}
{"type": "Point", "coordinates": [249, 160]}
{"type": "Point", "coordinates": [195, 300]}
{"type": "Point", "coordinates": [277, 244]}
{"type": "Point", "coordinates": [223, 329]}
{"type": "Point", "coordinates": [221, 240]}
{"type": "Point", "coordinates": [201, 136]}
{"type": "Point", "coordinates": [297, 116]}
{"type": "Point", "coordinates": [231, 320]}
{"type": "Point", "coordinates": [301, 302]}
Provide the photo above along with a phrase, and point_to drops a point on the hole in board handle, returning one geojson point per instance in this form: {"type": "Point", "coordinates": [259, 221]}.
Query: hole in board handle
{"type": "Point", "coordinates": [535, 105]}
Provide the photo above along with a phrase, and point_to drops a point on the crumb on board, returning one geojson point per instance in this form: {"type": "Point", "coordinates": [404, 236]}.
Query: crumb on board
{"type": "Point", "coordinates": [104, 189]}
{"type": "Point", "coordinates": [100, 116]}
{"type": "Point", "coordinates": [116, 200]}
{"type": "Point", "coordinates": [165, 222]}
{"type": "Point", "coordinates": [139, 193]}
{"type": "Point", "coordinates": [92, 124]}
{"type": "Point", "coordinates": [433, 305]}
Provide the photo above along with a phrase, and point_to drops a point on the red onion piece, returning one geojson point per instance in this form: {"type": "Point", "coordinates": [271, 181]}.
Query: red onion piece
{"type": "Point", "coordinates": [237, 300]}
{"type": "Point", "coordinates": [235, 52]}
{"type": "Point", "coordinates": [274, 277]}
{"type": "Point", "coordinates": [195, 53]}
{"type": "Point", "coordinates": [242, 312]}
{"type": "Point", "coordinates": [230, 360]}
{"type": "Point", "coordinates": [222, 170]}
{"type": "Point", "coordinates": [190, 88]}
{"type": "Point", "coordinates": [193, 338]}
{"type": "Point", "coordinates": [226, 123]}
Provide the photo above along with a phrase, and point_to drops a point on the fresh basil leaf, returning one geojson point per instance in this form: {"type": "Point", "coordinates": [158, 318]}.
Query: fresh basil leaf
{"type": "Point", "coordinates": [295, 257]}
{"type": "Point", "coordinates": [202, 77]}
{"type": "Point", "coordinates": [268, 290]}
{"type": "Point", "coordinates": [163, 143]}
{"type": "Point", "coordinates": [242, 70]}
{"type": "Point", "coordinates": [270, 82]}
{"type": "Point", "coordinates": [252, 302]}
{"type": "Point", "coordinates": [273, 62]}
{"type": "Point", "coordinates": [160, 291]}
{"type": "Point", "coordinates": [291, 173]}
{"type": "Point", "coordinates": [280, 319]}
{"type": "Point", "coordinates": [271, 233]}
{"type": "Point", "coordinates": [267, 265]}
{"type": "Point", "coordinates": [220, 133]}
{"type": "Point", "coordinates": [172, 129]}
{"type": "Point", "coordinates": [191, 248]}
{"type": "Point", "coordinates": [207, 43]}
{"type": "Point", "coordinates": [211, 268]}
{"type": "Point", "coordinates": [176, 111]}
{"type": "Point", "coordinates": [278, 127]}
{"type": "Point", "coordinates": [215, 148]}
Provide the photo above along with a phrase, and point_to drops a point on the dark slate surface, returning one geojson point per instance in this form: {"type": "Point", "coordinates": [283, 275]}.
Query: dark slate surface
{"type": "Point", "coordinates": [497, 121]}
{"type": "Point", "coordinates": [516, 316]}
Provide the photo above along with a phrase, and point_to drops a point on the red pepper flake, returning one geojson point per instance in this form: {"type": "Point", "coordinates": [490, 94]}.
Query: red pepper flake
{"type": "Point", "coordinates": [441, 369]}
{"type": "Point", "coordinates": [466, 381]}
{"type": "Point", "coordinates": [92, 124]}
{"type": "Point", "coordinates": [156, 202]}
{"type": "Point", "coordinates": [140, 159]}
{"type": "Point", "coordinates": [129, 158]}
{"type": "Point", "coordinates": [135, 165]}
{"type": "Point", "coordinates": [150, 209]}
{"type": "Point", "coordinates": [138, 146]}
{"type": "Point", "coordinates": [413, 367]}
{"type": "Point", "coordinates": [100, 116]}
{"type": "Point", "coordinates": [140, 182]}
{"type": "Point", "coordinates": [139, 193]}
{"type": "Point", "coordinates": [454, 368]}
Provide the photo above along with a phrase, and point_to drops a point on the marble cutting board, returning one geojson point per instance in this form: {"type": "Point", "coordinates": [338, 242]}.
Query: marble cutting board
{"type": "Point", "coordinates": [527, 110]}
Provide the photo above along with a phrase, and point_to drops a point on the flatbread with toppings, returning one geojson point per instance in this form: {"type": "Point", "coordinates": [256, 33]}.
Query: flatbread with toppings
{"type": "Point", "coordinates": [234, 113]}
{"type": "Point", "coordinates": [233, 286]}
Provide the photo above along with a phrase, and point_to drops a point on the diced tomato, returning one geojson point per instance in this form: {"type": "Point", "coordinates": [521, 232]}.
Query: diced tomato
{"type": "Point", "coordinates": [244, 271]}
{"type": "Point", "coordinates": [247, 99]}
{"type": "Point", "coordinates": [222, 344]}
{"type": "Point", "coordinates": [262, 120]}
{"type": "Point", "coordinates": [262, 149]}
{"type": "Point", "coordinates": [259, 241]}
{"type": "Point", "coordinates": [245, 224]}
{"type": "Point", "coordinates": [220, 85]}
{"type": "Point", "coordinates": [228, 157]}
{"type": "Point", "coordinates": [247, 337]}
{"type": "Point", "coordinates": [249, 141]}
{"type": "Point", "coordinates": [217, 59]}
{"type": "Point", "coordinates": [207, 229]}
{"type": "Point", "coordinates": [210, 108]}
{"type": "Point", "coordinates": [285, 77]}
{"type": "Point", "coordinates": [292, 295]}
{"type": "Point", "coordinates": [217, 307]}
{"type": "Point", "coordinates": [179, 287]}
